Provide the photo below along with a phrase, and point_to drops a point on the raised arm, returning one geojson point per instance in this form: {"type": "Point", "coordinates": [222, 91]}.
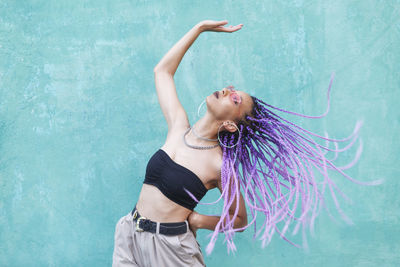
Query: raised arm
{"type": "Point", "coordinates": [169, 63]}
{"type": "Point", "coordinates": [164, 72]}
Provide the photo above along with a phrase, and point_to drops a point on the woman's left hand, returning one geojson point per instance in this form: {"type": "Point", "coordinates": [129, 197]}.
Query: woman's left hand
{"type": "Point", "coordinates": [192, 220]}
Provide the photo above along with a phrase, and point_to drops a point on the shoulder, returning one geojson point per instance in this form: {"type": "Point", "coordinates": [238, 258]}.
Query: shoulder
{"type": "Point", "coordinates": [176, 132]}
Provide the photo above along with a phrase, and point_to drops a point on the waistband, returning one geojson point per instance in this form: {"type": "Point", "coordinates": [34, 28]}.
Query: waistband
{"type": "Point", "coordinates": [168, 228]}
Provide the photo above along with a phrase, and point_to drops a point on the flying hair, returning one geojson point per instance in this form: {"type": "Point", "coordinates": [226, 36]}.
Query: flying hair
{"type": "Point", "coordinates": [275, 163]}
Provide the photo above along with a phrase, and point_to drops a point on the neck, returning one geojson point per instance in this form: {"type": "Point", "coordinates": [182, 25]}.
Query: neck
{"type": "Point", "coordinates": [206, 127]}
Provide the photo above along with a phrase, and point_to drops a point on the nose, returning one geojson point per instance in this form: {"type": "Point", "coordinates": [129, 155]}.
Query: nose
{"type": "Point", "coordinates": [227, 90]}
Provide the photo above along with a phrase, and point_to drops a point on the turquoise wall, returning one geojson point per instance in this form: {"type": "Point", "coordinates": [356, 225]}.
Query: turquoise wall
{"type": "Point", "coordinates": [79, 117]}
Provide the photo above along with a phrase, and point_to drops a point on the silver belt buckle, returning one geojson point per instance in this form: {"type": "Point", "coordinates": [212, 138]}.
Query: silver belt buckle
{"type": "Point", "coordinates": [138, 229]}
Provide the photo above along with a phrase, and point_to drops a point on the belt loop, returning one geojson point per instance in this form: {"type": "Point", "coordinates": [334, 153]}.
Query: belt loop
{"type": "Point", "coordinates": [187, 224]}
{"type": "Point", "coordinates": [158, 228]}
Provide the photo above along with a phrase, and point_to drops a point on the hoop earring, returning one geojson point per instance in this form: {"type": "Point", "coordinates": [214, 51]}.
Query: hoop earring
{"type": "Point", "coordinates": [236, 142]}
{"type": "Point", "coordinates": [198, 110]}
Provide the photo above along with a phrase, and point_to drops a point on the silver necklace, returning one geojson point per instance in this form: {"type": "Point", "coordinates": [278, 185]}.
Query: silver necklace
{"type": "Point", "coordinates": [196, 147]}
{"type": "Point", "coordinates": [201, 137]}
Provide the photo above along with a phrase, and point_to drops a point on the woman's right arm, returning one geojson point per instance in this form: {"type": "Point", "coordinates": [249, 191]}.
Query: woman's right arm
{"type": "Point", "coordinates": [164, 72]}
{"type": "Point", "coordinates": [169, 63]}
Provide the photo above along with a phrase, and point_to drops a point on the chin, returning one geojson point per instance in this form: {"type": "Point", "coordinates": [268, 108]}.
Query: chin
{"type": "Point", "coordinates": [209, 103]}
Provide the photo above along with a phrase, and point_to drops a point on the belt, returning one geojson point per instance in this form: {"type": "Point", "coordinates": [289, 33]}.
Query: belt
{"type": "Point", "coordinates": [170, 228]}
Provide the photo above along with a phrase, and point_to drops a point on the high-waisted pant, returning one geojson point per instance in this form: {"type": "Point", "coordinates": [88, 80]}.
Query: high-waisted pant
{"type": "Point", "coordinates": [146, 249]}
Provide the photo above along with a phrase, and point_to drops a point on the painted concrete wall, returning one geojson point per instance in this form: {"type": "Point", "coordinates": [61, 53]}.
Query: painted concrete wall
{"type": "Point", "coordinates": [79, 116]}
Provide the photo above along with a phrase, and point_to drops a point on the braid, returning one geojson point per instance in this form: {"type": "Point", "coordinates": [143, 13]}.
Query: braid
{"type": "Point", "coordinates": [276, 158]}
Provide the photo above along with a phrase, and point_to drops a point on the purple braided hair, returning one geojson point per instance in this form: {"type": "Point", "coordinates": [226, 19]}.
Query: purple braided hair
{"type": "Point", "coordinates": [276, 158]}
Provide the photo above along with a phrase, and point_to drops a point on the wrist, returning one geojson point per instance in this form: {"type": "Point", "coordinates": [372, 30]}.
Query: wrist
{"type": "Point", "coordinates": [199, 27]}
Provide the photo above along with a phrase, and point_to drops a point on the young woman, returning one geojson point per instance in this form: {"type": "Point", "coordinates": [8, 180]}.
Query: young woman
{"type": "Point", "coordinates": [238, 144]}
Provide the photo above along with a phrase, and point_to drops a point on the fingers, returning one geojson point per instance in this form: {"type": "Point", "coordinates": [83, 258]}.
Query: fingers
{"type": "Point", "coordinates": [239, 26]}
{"type": "Point", "coordinates": [220, 26]}
{"type": "Point", "coordinates": [230, 28]}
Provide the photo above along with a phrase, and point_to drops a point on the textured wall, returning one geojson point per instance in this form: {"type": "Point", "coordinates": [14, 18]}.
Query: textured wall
{"type": "Point", "coordinates": [79, 116]}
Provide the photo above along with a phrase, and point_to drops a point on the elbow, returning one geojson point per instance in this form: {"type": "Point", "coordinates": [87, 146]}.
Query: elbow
{"type": "Point", "coordinates": [161, 70]}
{"type": "Point", "coordinates": [157, 68]}
{"type": "Point", "coordinates": [243, 223]}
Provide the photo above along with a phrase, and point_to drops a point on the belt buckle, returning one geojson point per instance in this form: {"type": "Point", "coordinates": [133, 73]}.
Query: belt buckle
{"type": "Point", "coordinates": [138, 229]}
{"type": "Point", "coordinates": [135, 214]}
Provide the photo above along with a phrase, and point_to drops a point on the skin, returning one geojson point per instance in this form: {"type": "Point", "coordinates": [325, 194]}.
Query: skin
{"type": "Point", "coordinates": [206, 164]}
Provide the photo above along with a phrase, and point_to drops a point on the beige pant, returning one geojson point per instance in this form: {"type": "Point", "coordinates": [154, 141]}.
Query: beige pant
{"type": "Point", "coordinates": [145, 249]}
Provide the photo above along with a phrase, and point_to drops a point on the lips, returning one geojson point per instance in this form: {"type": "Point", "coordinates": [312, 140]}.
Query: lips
{"type": "Point", "coordinates": [216, 94]}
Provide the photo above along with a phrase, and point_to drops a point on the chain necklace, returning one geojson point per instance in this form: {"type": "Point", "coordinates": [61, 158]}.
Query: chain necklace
{"type": "Point", "coordinates": [201, 137]}
{"type": "Point", "coordinates": [196, 147]}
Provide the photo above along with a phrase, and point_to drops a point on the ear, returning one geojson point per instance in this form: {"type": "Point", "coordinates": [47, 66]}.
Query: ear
{"type": "Point", "coordinates": [229, 126]}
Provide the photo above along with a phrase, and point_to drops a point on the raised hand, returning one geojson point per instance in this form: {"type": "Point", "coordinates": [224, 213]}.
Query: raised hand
{"type": "Point", "coordinates": [217, 26]}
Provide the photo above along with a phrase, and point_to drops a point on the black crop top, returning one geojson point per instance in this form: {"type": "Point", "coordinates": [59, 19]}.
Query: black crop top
{"type": "Point", "coordinates": [170, 178]}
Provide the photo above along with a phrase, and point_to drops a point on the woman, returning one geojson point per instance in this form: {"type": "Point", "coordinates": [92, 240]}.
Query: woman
{"type": "Point", "coordinates": [238, 144]}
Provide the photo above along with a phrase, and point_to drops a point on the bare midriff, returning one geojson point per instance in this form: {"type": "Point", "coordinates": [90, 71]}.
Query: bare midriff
{"type": "Point", "coordinates": [154, 205]}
